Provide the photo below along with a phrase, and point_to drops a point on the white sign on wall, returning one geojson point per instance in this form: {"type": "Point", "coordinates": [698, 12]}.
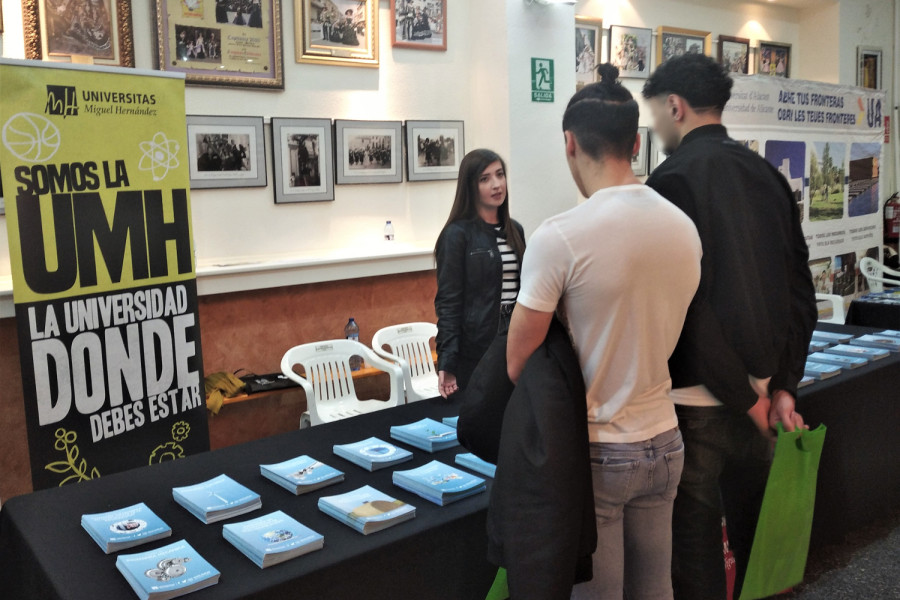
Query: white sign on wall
{"type": "Point", "coordinates": [827, 141]}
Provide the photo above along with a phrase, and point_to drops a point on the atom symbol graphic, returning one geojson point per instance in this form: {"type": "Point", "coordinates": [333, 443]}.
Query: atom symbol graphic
{"type": "Point", "coordinates": [159, 156]}
{"type": "Point", "coordinates": [31, 137]}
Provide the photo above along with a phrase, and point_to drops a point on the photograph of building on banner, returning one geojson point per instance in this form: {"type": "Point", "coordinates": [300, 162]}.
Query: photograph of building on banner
{"type": "Point", "coordinates": [102, 264]}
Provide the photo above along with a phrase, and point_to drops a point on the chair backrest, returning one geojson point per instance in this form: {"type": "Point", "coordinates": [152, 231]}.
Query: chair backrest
{"type": "Point", "coordinates": [837, 308]}
{"type": "Point", "coordinates": [410, 347]}
{"type": "Point", "coordinates": [875, 274]}
{"type": "Point", "coordinates": [328, 377]}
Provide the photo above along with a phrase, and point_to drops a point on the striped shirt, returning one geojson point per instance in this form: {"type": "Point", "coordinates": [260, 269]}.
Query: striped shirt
{"type": "Point", "coordinates": [510, 288]}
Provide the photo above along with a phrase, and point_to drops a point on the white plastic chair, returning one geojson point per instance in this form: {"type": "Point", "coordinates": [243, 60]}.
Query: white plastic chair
{"type": "Point", "coordinates": [875, 273]}
{"type": "Point", "coordinates": [330, 394]}
{"type": "Point", "coordinates": [409, 348]}
{"type": "Point", "coordinates": [837, 308]}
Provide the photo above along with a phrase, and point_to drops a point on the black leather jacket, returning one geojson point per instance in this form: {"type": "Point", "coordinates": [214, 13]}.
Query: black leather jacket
{"type": "Point", "coordinates": [469, 283]}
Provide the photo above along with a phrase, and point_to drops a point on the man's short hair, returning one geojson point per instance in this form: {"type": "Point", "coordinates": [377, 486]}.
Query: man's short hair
{"type": "Point", "coordinates": [700, 80]}
{"type": "Point", "coordinates": [603, 117]}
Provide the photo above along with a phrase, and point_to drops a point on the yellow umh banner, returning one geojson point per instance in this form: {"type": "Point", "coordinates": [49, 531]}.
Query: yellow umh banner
{"type": "Point", "coordinates": [96, 185]}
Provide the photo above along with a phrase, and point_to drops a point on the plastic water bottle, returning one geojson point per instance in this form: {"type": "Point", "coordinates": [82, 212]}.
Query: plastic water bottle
{"type": "Point", "coordinates": [351, 332]}
{"type": "Point", "coordinates": [388, 232]}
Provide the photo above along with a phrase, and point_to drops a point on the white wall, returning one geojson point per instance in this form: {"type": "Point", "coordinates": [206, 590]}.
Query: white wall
{"type": "Point", "coordinates": [484, 79]}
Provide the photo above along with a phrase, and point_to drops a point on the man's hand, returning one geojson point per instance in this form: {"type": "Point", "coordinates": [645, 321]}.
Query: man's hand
{"type": "Point", "coordinates": [447, 383]}
{"type": "Point", "coordinates": [759, 414]}
{"type": "Point", "coordinates": [782, 411]}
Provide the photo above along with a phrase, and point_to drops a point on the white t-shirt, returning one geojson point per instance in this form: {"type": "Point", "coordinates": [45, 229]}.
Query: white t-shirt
{"type": "Point", "coordinates": [622, 267]}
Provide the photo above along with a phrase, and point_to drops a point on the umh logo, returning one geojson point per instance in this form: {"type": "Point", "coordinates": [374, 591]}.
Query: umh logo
{"type": "Point", "coordinates": [62, 100]}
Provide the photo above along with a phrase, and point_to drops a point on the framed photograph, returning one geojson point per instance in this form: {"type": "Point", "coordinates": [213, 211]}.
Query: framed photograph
{"type": "Point", "coordinates": [734, 54]}
{"type": "Point", "coordinates": [434, 149]}
{"type": "Point", "coordinates": [69, 31]}
{"type": "Point", "coordinates": [336, 32]}
{"type": "Point", "coordinates": [657, 154]}
{"type": "Point", "coordinates": [868, 72]}
{"type": "Point", "coordinates": [672, 41]}
{"type": "Point", "coordinates": [629, 50]}
{"type": "Point", "coordinates": [368, 151]}
{"type": "Point", "coordinates": [774, 59]}
{"type": "Point", "coordinates": [588, 33]}
{"type": "Point", "coordinates": [234, 43]}
{"type": "Point", "coordinates": [303, 158]}
{"type": "Point", "coordinates": [419, 24]}
{"type": "Point", "coordinates": [639, 161]}
{"type": "Point", "coordinates": [226, 152]}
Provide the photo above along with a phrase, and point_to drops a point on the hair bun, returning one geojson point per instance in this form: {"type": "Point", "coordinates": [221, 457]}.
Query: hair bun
{"type": "Point", "coordinates": [609, 74]}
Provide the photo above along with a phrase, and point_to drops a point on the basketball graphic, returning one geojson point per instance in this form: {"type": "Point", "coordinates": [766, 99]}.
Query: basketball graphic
{"type": "Point", "coordinates": [31, 137]}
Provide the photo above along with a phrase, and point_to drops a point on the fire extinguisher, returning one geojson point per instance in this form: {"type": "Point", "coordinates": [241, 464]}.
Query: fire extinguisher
{"type": "Point", "coordinates": [892, 219]}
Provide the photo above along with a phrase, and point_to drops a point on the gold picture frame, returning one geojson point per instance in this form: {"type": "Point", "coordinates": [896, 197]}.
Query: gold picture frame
{"type": "Point", "coordinates": [335, 33]}
{"type": "Point", "coordinates": [226, 46]}
{"type": "Point", "coordinates": [49, 36]}
{"type": "Point", "coordinates": [674, 41]}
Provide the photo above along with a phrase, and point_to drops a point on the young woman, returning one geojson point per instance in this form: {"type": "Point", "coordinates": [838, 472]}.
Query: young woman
{"type": "Point", "coordinates": [478, 255]}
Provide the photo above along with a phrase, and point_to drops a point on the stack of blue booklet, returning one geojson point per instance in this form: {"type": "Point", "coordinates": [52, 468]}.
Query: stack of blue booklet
{"type": "Point", "coordinates": [124, 528]}
{"type": "Point", "coordinates": [884, 342]}
{"type": "Point", "coordinates": [805, 381]}
{"type": "Point", "coordinates": [450, 421]}
{"type": "Point", "coordinates": [470, 461]}
{"type": "Point", "coordinates": [439, 483]}
{"type": "Point", "coordinates": [848, 350]}
{"type": "Point", "coordinates": [302, 474]}
{"type": "Point", "coordinates": [427, 434]}
{"type": "Point", "coordinates": [890, 332]}
{"type": "Point", "coordinates": [373, 454]}
{"type": "Point", "coordinates": [272, 538]}
{"type": "Point", "coordinates": [366, 509]}
{"type": "Point", "coordinates": [167, 572]}
{"type": "Point", "coordinates": [845, 362]}
{"type": "Point", "coordinates": [820, 370]}
{"type": "Point", "coordinates": [815, 346]}
{"type": "Point", "coordinates": [830, 337]}
{"type": "Point", "coordinates": [218, 499]}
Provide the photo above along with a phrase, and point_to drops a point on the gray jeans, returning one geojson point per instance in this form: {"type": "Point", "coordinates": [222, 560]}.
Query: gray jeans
{"type": "Point", "coordinates": [634, 489]}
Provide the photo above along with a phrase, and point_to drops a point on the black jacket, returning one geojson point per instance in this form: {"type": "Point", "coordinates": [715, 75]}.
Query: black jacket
{"type": "Point", "coordinates": [541, 524]}
{"type": "Point", "coordinates": [755, 309]}
{"type": "Point", "coordinates": [469, 284]}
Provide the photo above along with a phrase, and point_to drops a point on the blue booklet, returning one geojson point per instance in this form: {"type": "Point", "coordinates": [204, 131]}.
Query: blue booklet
{"type": "Point", "coordinates": [846, 362]}
{"type": "Point", "coordinates": [427, 434]}
{"type": "Point", "coordinates": [848, 350]}
{"type": "Point", "coordinates": [167, 572]}
{"type": "Point", "coordinates": [302, 474]}
{"type": "Point", "coordinates": [124, 528]}
{"type": "Point", "coordinates": [439, 483]}
{"type": "Point", "coordinates": [218, 499]}
{"type": "Point", "coordinates": [821, 370]}
{"type": "Point", "coordinates": [885, 342]}
{"type": "Point", "coordinates": [450, 421]}
{"type": "Point", "coordinates": [373, 454]}
{"type": "Point", "coordinates": [890, 333]}
{"type": "Point", "coordinates": [805, 381]}
{"type": "Point", "coordinates": [366, 509]}
{"type": "Point", "coordinates": [272, 538]}
{"type": "Point", "coordinates": [815, 346]}
{"type": "Point", "coordinates": [831, 338]}
{"type": "Point", "coordinates": [472, 462]}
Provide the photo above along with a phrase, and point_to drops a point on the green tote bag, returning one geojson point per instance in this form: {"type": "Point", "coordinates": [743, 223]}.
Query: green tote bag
{"type": "Point", "coordinates": [778, 557]}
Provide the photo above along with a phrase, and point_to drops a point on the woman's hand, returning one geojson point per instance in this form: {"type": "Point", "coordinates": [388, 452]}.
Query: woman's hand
{"type": "Point", "coordinates": [447, 383]}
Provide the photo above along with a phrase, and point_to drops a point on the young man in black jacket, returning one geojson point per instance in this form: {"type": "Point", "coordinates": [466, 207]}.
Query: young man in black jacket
{"type": "Point", "coordinates": [742, 351]}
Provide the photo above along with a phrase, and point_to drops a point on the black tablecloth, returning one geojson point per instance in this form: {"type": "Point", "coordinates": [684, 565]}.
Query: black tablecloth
{"type": "Point", "coordinates": [866, 313]}
{"type": "Point", "coordinates": [859, 474]}
{"type": "Point", "coordinates": [439, 554]}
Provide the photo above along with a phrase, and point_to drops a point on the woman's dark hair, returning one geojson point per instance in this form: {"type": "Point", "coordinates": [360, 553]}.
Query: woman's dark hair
{"type": "Point", "coordinates": [467, 194]}
{"type": "Point", "coordinates": [603, 117]}
{"type": "Point", "coordinates": [701, 81]}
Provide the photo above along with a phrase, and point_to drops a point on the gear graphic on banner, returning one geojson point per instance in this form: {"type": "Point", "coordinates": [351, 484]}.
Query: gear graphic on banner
{"type": "Point", "coordinates": [159, 156]}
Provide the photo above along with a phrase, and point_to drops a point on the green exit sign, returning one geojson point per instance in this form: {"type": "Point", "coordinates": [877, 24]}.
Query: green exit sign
{"type": "Point", "coordinates": [542, 80]}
